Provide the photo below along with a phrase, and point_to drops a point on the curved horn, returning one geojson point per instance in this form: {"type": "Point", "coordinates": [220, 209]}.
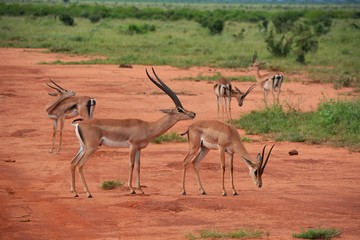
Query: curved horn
{"type": "Point", "coordinates": [57, 85]}
{"type": "Point", "coordinates": [52, 87]}
{"type": "Point", "coordinates": [263, 167]}
{"type": "Point", "coordinates": [255, 56]}
{"type": "Point", "coordinates": [249, 90]}
{"type": "Point", "coordinates": [160, 84]}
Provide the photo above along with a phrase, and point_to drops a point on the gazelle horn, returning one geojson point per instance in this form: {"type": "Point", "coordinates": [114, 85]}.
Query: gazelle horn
{"type": "Point", "coordinates": [267, 158]}
{"type": "Point", "coordinates": [160, 84]}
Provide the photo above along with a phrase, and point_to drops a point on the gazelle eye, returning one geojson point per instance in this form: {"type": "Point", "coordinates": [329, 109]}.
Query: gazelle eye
{"type": "Point", "coordinates": [256, 173]}
{"type": "Point", "coordinates": [180, 110]}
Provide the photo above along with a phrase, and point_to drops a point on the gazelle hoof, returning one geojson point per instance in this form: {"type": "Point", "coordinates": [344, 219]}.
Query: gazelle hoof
{"type": "Point", "coordinates": [90, 196]}
{"type": "Point", "coordinates": [203, 193]}
{"type": "Point", "coordinates": [235, 193]}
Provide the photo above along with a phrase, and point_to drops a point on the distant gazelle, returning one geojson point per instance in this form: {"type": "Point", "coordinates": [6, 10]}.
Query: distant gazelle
{"type": "Point", "coordinates": [267, 82]}
{"type": "Point", "coordinates": [224, 92]}
{"type": "Point", "coordinates": [206, 135]}
{"type": "Point", "coordinates": [134, 134]}
{"type": "Point", "coordinates": [67, 105]}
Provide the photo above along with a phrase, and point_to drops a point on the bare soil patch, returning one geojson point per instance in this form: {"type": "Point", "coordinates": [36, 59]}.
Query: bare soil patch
{"type": "Point", "coordinates": [317, 187]}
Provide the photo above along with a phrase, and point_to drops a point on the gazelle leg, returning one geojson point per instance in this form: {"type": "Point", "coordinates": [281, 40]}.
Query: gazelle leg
{"type": "Point", "coordinates": [196, 163]}
{"type": "Point", "coordinates": [265, 97]}
{"type": "Point", "coordinates": [222, 159]}
{"type": "Point", "coordinates": [232, 174]}
{"type": "Point", "coordinates": [133, 151]}
{"type": "Point", "coordinates": [62, 121]}
{"type": "Point", "coordinates": [137, 164]}
{"type": "Point", "coordinates": [187, 160]}
{"type": "Point", "coordinates": [74, 162]}
{"type": "Point", "coordinates": [55, 122]}
{"type": "Point", "coordinates": [230, 107]}
{"type": "Point", "coordinates": [80, 165]}
{"type": "Point", "coordinates": [218, 105]}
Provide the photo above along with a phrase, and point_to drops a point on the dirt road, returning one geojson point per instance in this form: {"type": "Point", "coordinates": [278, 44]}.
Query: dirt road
{"type": "Point", "coordinates": [318, 187]}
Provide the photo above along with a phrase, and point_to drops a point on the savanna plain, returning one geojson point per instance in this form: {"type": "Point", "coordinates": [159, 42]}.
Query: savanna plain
{"type": "Point", "coordinates": [316, 188]}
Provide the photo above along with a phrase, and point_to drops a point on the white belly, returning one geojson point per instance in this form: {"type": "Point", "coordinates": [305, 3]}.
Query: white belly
{"type": "Point", "coordinates": [209, 145]}
{"type": "Point", "coordinates": [117, 144]}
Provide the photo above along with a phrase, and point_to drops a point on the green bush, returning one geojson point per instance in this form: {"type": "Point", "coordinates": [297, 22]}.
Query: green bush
{"type": "Point", "coordinates": [321, 233]}
{"type": "Point", "coordinates": [140, 28]}
{"type": "Point", "coordinates": [335, 122]}
{"type": "Point", "coordinates": [94, 18]}
{"type": "Point", "coordinates": [67, 19]}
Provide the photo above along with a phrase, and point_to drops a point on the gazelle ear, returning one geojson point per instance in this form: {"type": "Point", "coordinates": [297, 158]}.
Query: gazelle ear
{"type": "Point", "coordinates": [249, 162]}
{"type": "Point", "coordinates": [53, 94]}
{"type": "Point", "coordinates": [166, 110]}
{"type": "Point", "coordinates": [259, 158]}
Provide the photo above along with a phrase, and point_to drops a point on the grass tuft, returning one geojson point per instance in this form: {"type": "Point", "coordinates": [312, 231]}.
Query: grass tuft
{"type": "Point", "coordinates": [240, 233]}
{"type": "Point", "coordinates": [111, 184]}
{"type": "Point", "coordinates": [318, 233]}
{"type": "Point", "coordinates": [170, 137]}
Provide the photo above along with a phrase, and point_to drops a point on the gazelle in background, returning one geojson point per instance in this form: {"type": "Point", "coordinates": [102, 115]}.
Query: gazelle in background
{"type": "Point", "coordinates": [206, 135]}
{"type": "Point", "coordinates": [267, 82]}
{"type": "Point", "coordinates": [134, 134]}
{"type": "Point", "coordinates": [224, 92]}
{"type": "Point", "coordinates": [67, 105]}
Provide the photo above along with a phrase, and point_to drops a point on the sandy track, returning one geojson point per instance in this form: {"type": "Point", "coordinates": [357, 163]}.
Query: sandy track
{"type": "Point", "coordinates": [318, 187]}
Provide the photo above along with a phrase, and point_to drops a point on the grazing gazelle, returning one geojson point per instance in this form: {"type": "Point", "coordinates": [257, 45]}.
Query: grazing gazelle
{"type": "Point", "coordinates": [267, 81]}
{"type": "Point", "coordinates": [134, 134]}
{"type": "Point", "coordinates": [224, 92]}
{"type": "Point", "coordinates": [211, 134]}
{"type": "Point", "coordinates": [65, 106]}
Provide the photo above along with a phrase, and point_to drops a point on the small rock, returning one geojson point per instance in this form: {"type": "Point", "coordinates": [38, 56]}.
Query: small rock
{"type": "Point", "coordinates": [293, 152]}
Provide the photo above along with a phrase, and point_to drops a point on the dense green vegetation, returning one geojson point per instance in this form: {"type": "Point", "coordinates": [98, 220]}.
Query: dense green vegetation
{"type": "Point", "coordinates": [335, 123]}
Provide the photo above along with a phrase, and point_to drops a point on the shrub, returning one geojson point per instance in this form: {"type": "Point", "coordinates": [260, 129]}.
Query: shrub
{"type": "Point", "coordinates": [111, 184]}
{"type": "Point", "coordinates": [278, 46]}
{"type": "Point", "coordinates": [67, 19]}
{"type": "Point", "coordinates": [140, 28]}
{"type": "Point", "coordinates": [94, 18]}
{"type": "Point", "coordinates": [321, 233]}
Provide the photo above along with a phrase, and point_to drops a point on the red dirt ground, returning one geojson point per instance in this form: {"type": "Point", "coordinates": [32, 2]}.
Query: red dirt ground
{"type": "Point", "coordinates": [317, 188]}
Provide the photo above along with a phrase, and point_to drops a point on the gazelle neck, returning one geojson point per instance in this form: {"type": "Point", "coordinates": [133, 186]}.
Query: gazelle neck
{"type": "Point", "coordinates": [257, 75]}
{"type": "Point", "coordinates": [160, 126]}
{"type": "Point", "coordinates": [52, 105]}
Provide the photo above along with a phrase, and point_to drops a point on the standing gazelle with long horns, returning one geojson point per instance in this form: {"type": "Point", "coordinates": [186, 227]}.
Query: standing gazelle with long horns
{"type": "Point", "coordinates": [65, 106]}
{"type": "Point", "coordinates": [134, 134]}
{"type": "Point", "coordinates": [268, 81]}
{"type": "Point", "coordinates": [224, 92]}
{"type": "Point", "coordinates": [206, 135]}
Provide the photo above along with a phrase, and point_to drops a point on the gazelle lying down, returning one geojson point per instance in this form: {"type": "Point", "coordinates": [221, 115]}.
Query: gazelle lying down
{"type": "Point", "coordinates": [206, 135]}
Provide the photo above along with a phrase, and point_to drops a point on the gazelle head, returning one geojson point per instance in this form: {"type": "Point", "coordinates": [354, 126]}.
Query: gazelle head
{"type": "Point", "coordinates": [60, 91]}
{"type": "Point", "coordinates": [257, 169]}
{"type": "Point", "coordinates": [178, 112]}
{"type": "Point", "coordinates": [240, 96]}
{"type": "Point", "coordinates": [254, 63]}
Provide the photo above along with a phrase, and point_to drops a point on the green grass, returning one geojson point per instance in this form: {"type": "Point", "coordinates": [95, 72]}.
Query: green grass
{"type": "Point", "coordinates": [318, 233]}
{"type": "Point", "coordinates": [217, 76]}
{"type": "Point", "coordinates": [170, 137]}
{"type": "Point", "coordinates": [185, 44]}
{"type": "Point", "coordinates": [111, 184]}
{"type": "Point", "coordinates": [335, 123]}
{"type": "Point", "coordinates": [240, 233]}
